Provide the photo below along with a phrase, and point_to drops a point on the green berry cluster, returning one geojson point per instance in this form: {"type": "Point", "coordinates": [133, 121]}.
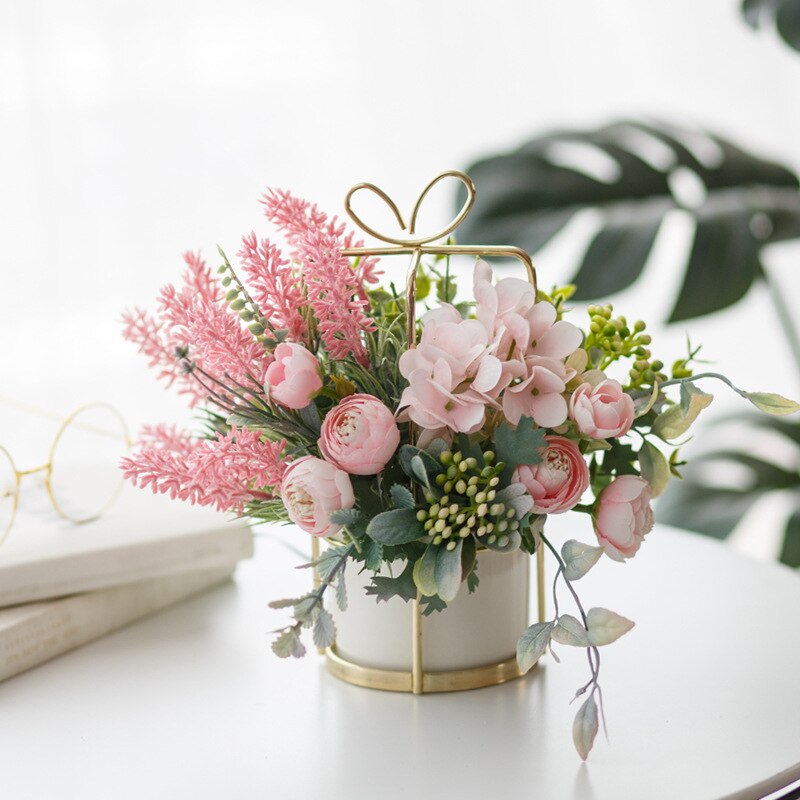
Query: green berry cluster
{"type": "Point", "coordinates": [614, 338]}
{"type": "Point", "coordinates": [468, 506]}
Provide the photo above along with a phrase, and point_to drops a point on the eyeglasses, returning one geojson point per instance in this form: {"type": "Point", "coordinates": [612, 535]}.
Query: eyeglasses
{"type": "Point", "coordinates": [81, 475]}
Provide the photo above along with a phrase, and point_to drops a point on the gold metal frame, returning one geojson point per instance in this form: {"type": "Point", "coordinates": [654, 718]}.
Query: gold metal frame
{"type": "Point", "coordinates": [47, 468]}
{"type": "Point", "coordinates": [418, 681]}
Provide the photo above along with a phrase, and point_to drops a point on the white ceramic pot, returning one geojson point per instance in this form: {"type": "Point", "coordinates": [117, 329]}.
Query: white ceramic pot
{"type": "Point", "coordinates": [474, 630]}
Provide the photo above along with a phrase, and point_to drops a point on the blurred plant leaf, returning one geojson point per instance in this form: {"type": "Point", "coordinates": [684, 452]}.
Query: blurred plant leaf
{"type": "Point", "coordinates": [715, 509]}
{"type": "Point", "coordinates": [739, 202]}
{"type": "Point", "coordinates": [785, 13]}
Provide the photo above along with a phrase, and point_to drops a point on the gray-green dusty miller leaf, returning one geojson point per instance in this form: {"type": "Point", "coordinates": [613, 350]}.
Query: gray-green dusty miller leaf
{"type": "Point", "coordinates": [401, 496]}
{"type": "Point", "coordinates": [448, 572]}
{"type": "Point", "coordinates": [655, 468]}
{"type": "Point", "coordinates": [288, 644]}
{"type": "Point", "coordinates": [584, 729]}
{"type": "Point", "coordinates": [399, 526]}
{"type": "Point", "coordinates": [341, 592]}
{"type": "Point", "coordinates": [569, 630]}
{"type": "Point", "coordinates": [532, 644]}
{"type": "Point", "coordinates": [579, 558]}
{"type": "Point", "coordinates": [771, 403]}
{"type": "Point", "coordinates": [606, 626]}
{"type": "Point", "coordinates": [324, 629]}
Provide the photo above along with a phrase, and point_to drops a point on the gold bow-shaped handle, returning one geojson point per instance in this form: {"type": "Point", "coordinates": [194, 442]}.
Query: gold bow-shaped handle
{"type": "Point", "coordinates": [411, 240]}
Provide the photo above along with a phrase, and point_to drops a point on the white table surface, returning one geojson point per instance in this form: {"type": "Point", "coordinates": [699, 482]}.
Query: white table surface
{"type": "Point", "coordinates": [702, 700]}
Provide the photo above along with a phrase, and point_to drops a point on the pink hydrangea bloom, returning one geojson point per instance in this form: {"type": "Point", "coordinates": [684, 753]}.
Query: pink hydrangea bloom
{"type": "Point", "coordinates": [451, 373]}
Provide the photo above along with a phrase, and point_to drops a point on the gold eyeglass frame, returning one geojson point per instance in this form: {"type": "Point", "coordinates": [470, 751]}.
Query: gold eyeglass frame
{"type": "Point", "coordinates": [419, 680]}
{"type": "Point", "coordinates": [47, 467]}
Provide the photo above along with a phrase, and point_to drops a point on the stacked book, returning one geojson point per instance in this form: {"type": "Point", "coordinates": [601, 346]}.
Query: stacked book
{"type": "Point", "coordinates": [62, 585]}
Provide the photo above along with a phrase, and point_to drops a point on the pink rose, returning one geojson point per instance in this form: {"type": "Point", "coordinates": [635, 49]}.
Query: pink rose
{"type": "Point", "coordinates": [622, 516]}
{"type": "Point", "coordinates": [602, 411]}
{"type": "Point", "coordinates": [359, 435]}
{"type": "Point", "coordinates": [294, 377]}
{"type": "Point", "coordinates": [311, 489]}
{"type": "Point", "coordinates": [558, 481]}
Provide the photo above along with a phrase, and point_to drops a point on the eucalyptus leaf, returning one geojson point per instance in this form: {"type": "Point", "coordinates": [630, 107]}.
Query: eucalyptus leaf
{"type": "Point", "coordinates": [655, 468]}
{"type": "Point", "coordinates": [579, 558]}
{"type": "Point", "coordinates": [570, 631]}
{"type": "Point", "coordinates": [532, 644]}
{"type": "Point", "coordinates": [399, 526]}
{"type": "Point", "coordinates": [418, 471]}
{"type": "Point", "coordinates": [742, 203]}
{"type": "Point", "coordinates": [771, 403]}
{"type": "Point", "coordinates": [584, 728]}
{"type": "Point", "coordinates": [324, 629]}
{"type": "Point", "coordinates": [448, 572]}
{"type": "Point", "coordinates": [425, 570]}
{"type": "Point", "coordinates": [606, 626]}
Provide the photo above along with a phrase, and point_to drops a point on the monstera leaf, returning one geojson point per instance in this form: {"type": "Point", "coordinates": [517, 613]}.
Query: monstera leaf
{"type": "Point", "coordinates": [715, 509]}
{"type": "Point", "coordinates": [632, 174]}
{"type": "Point", "coordinates": [785, 13]}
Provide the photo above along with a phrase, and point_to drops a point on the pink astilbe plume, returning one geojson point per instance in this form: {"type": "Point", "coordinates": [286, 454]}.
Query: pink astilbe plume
{"type": "Point", "coordinates": [297, 218]}
{"type": "Point", "coordinates": [148, 333]}
{"type": "Point", "coordinates": [333, 293]}
{"type": "Point", "coordinates": [275, 286]}
{"type": "Point", "coordinates": [226, 472]}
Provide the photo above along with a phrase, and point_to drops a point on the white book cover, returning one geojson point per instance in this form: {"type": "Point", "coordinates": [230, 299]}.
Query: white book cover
{"type": "Point", "coordinates": [34, 633]}
{"type": "Point", "coordinates": [141, 536]}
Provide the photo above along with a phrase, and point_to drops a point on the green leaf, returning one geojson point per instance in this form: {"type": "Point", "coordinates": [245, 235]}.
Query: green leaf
{"type": "Point", "coordinates": [396, 527]}
{"type": "Point", "coordinates": [619, 459]}
{"type": "Point", "coordinates": [473, 580]}
{"type": "Point", "coordinates": [407, 454]}
{"type": "Point", "coordinates": [432, 604]}
{"type": "Point", "coordinates": [448, 572]}
{"type": "Point", "coordinates": [771, 403]}
{"type": "Point", "coordinates": [605, 626]}
{"type": "Point", "coordinates": [790, 551]}
{"type": "Point", "coordinates": [527, 196]}
{"type": "Point", "coordinates": [584, 729]}
{"type": "Point", "coordinates": [655, 468]}
{"type": "Point", "coordinates": [403, 586]}
{"type": "Point", "coordinates": [469, 556]}
{"type": "Point", "coordinates": [674, 421]}
{"type": "Point", "coordinates": [520, 445]}
{"type": "Point", "coordinates": [288, 644]}
{"type": "Point", "coordinates": [345, 516]}
{"type": "Point", "coordinates": [532, 644]}
{"type": "Point", "coordinates": [418, 471]}
{"type": "Point", "coordinates": [425, 570]}
{"type": "Point", "coordinates": [401, 496]}
{"type": "Point", "coordinates": [784, 13]}
{"type": "Point", "coordinates": [579, 558]}
{"type": "Point", "coordinates": [570, 631]}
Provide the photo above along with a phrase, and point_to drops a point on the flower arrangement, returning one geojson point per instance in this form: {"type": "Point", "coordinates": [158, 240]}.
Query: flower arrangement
{"type": "Point", "coordinates": [317, 410]}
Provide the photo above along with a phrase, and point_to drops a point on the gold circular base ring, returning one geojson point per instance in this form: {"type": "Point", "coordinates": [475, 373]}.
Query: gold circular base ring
{"type": "Point", "coordinates": [454, 680]}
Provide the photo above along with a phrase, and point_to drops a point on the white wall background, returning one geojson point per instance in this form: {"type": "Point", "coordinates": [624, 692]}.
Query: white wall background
{"type": "Point", "coordinates": [130, 132]}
